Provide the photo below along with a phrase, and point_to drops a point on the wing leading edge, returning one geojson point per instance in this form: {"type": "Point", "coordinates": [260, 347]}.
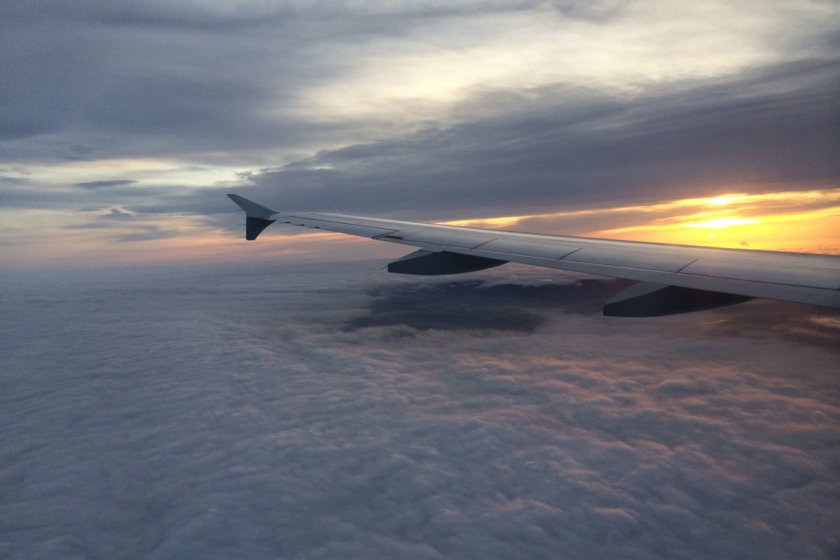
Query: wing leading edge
{"type": "Point", "coordinates": [676, 278]}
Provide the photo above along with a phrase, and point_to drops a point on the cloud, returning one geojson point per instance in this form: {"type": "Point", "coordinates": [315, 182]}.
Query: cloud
{"type": "Point", "coordinates": [146, 233]}
{"type": "Point", "coordinates": [117, 214]}
{"type": "Point", "coordinates": [230, 412]}
{"type": "Point", "coordinates": [581, 148]}
{"type": "Point", "coordinates": [470, 305]}
{"type": "Point", "coordinates": [30, 194]}
{"type": "Point", "coordinates": [563, 149]}
{"type": "Point", "coordinates": [103, 184]}
{"type": "Point", "coordinates": [269, 82]}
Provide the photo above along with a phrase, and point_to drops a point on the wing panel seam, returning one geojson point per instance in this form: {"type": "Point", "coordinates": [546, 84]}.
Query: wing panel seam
{"type": "Point", "coordinates": [683, 268]}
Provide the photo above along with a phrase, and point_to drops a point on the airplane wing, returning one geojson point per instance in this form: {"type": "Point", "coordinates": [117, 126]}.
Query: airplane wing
{"type": "Point", "coordinates": [671, 278]}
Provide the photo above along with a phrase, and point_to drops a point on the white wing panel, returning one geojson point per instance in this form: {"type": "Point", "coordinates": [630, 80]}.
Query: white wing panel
{"type": "Point", "coordinates": [350, 229]}
{"type": "Point", "coordinates": [530, 248]}
{"type": "Point", "coordinates": [631, 259]}
{"type": "Point", "coordinates": [802, 276]}
{"type": "Point", "coordinates": [760, 289]}
{"type": "Point", "coordinates": [353, 222]}
{"type": "Point", "coordinates": [465, 240]}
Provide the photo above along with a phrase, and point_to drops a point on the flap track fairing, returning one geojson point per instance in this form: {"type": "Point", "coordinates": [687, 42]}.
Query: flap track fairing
{"type": "Point", "coordinates": [647, 299]}
{"type": "Point", "coordinates": [429, 263]}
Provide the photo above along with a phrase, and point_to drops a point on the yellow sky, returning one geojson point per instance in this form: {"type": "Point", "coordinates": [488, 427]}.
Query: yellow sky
{"type": "Point", "coordinates": [806, 221]}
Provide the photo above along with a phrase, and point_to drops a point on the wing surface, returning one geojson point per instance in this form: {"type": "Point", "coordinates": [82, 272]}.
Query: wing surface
{"type": "Point", "coordinates": [795, 277]}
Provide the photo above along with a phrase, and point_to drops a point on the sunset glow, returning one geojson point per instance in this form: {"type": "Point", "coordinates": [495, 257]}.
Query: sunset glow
{"type": "Point", "coordinates": [789, 221]}
{"type": "Point", "coordinates": [792, 221]}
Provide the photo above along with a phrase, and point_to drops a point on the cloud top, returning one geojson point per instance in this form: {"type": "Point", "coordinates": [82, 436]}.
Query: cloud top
{"type": "Point", "coordinates": [273, 429]}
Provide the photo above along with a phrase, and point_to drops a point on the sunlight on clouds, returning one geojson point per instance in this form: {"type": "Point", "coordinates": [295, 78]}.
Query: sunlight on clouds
{"type": "Point", "coordinates": [795, 221]}
{"type": "Point", "coordinates": [719, 223]}
{"type": "Point", "coordinates": [636, 47]}
{"type": "Point", "coordinates": [151, 171]}
{"type": "Point", "coordinates": [807, 222]}
{"type": "Point", "coordinates": [721, 200]}
{"type": "Point", "coordinates": [829, 322]}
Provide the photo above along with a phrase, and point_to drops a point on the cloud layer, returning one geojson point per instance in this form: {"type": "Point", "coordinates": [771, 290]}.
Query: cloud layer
{"type": "Point", "coordinates": [291, 412]}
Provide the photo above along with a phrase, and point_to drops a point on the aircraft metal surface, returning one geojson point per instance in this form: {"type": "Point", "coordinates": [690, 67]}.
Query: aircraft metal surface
{"type": "Point", "coordinates": [672, 278]}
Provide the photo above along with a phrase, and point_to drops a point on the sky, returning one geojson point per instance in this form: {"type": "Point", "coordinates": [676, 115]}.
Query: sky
{"type": "Point", "coordinates": [123, 124]}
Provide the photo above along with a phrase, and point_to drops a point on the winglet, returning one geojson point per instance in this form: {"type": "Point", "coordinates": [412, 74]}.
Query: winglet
{"type": "Point", "coordinates": [256, 216]}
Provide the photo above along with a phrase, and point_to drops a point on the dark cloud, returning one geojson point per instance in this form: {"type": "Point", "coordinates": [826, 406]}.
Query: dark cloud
{"type": "Point", "coordinates": [206, 17]}
{"type": "Point", "coordinates": [470, 305]}
{"type": "Point", "coordinates": [166, 79]}
{"type": "Point", "coordinates": [499, 306]}
{"type": "Point", "coordinates": [102, 184]}
{"type": "Point", "coordinates": [98, 79]}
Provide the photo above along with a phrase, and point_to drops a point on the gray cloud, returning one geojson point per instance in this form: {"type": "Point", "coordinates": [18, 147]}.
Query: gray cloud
{"type": "Point", "coordinates": [163, 78]}
{"type": "Point", "coordinates": [561, 149]}
{"type": "Point", "coordinates": [33, 194]}
{"type": "Point", "coordinates": [102, 184]}
{"type": "Point", "coordinates": [117, 214]}
{"type": "Point", "coordinates": [146, 233]}
{"type": "Point", "coordinates": [129, 79]}
{"type": "Point", "coordinates": [580, 149]}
